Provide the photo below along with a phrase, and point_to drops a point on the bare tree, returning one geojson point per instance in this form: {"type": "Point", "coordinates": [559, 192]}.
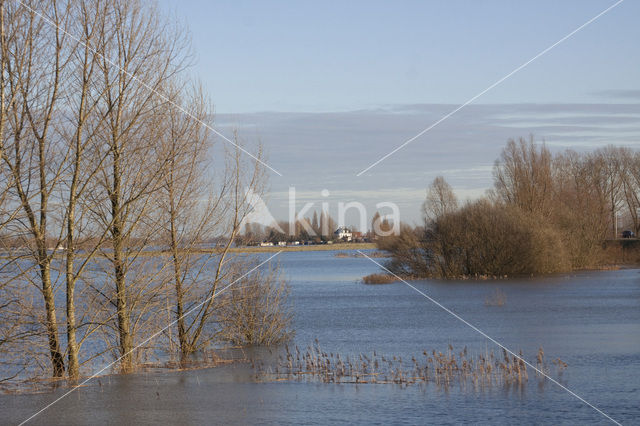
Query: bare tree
{"type": "Point", "coordinates": [580, 207]}
{"type": "Point", "coordinates": [35, 62]}
{"type": "Point", "coordinates": [191, 208]}
{"type": "Point", "coordinates": [606, 165]}
{"type": "Point", "coordinates": [140, 54]}
{"type": "Point", "coordinates": [440, 199]}
{"type": "Point", "coordinates": [242, 179]}
{"type": "Point", "coordinates": [632, 189]}
{"type": "Point", "coordinates": [523, 176]}
{"type": "Point", "coordinates": [255, 311]}
{"type": "Point", "coordinates": [105, 159]}
{"type": "Point", "coordinates": [85, 159]}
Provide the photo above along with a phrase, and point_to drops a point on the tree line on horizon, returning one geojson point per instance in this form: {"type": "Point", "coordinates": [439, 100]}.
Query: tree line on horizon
{"type": "Point", "coordinates": [545, 213]}
{"type": "Point", "coordinates": [106, 155]}
{"type": "Point", "coordinates": [317, 228]}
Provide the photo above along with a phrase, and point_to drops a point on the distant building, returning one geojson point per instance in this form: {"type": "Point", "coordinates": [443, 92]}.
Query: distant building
{"type": "Point", "coordinates": [343, 233]}
{"type": "Point", "coordinates": [281, 243]}
{"type": "Point", "coordinates": [266, 244]}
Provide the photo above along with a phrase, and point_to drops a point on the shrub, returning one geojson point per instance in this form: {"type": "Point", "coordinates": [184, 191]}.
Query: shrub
{"type": "Point", "coordinates": [481, 238]}
{"type": "Point", "coordinates": [504, 240]}
{"type": "Point", "coordinates": [255, 310]}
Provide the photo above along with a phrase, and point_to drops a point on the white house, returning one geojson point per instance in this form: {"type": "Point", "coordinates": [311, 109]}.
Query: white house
{"type": "Point", "coordinates": [343, 233]}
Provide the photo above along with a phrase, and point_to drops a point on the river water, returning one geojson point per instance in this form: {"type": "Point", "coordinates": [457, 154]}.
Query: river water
{"type": "Point", "coordinates": [591, 320]}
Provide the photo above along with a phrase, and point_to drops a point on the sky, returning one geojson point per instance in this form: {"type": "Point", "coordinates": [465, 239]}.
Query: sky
{"type": "Point", "coordinates": [329, 87]}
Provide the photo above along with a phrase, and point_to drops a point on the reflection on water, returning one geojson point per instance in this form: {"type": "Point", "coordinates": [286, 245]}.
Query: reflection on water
{"type": "Point", "coordinates": [590, 320]}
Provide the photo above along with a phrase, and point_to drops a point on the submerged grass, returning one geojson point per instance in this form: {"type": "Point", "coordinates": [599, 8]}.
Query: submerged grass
{"type": "Point", "coordinates": [379, 279]}
{"type": "Point", "coordinates": [441, 368]}
{"type": "Point", "coordinates": [498, 298]}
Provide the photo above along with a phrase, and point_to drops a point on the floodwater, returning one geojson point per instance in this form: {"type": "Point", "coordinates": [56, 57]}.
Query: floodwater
{"type": "Point", "coordinates": [591, 320]}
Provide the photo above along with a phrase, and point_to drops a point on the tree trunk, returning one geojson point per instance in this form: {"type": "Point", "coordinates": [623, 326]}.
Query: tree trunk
{"type": "Point", "coordinates": [123, 315]}
{"type": "Point", "coordinates": [72, 345]}
{"type": "Point", "coordinates": [57, 359]}
{"type": "Point", "coordinates": [185, 347]}
{"type": "Point", "coordinates": [124, 327]}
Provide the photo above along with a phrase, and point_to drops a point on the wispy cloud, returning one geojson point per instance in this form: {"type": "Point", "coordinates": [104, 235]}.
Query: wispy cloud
{"type": "Point", "coordinates": [321, 150]}
{"type": "Point", "coordinates": [632, 94]}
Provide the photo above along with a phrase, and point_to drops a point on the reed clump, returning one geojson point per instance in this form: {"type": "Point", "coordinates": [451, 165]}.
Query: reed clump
{"type": "Point", "coordinates": [441, 368]}
{"type": "Point", "coordinates": [379, 279]}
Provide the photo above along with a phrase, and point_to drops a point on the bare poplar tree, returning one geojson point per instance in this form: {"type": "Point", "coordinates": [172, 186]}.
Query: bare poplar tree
{"type": "Point", "coordinates": [140, 54]}
{"type": "Point", "coordinates": [13, 335]}
{"type": "Point", "coordinates": [35, 62]}
{"type": "Point", "coordinates": [105, 158]}
{"type": "Point", "coordinates": [189, 209]}
{"type": "Point", "coordinates": [85, 159]}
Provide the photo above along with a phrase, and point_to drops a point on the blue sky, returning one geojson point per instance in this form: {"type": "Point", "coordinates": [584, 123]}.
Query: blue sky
{"type": "Point", "coordinates": [314, 81]}
{"type": "Point", "coordinates": [334, 56]}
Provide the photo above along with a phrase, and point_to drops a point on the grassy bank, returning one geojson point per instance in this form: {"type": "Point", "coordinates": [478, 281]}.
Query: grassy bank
{"type": "Point", "coordinates": [316, 247]}
{"type": "Point", "coordinates": [252, 249]}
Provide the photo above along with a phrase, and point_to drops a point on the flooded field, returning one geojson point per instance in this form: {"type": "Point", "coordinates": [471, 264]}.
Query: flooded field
{"type": "Point", "coordinates": [590, 320]}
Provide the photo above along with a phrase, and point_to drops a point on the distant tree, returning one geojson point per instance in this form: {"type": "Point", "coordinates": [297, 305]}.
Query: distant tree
{"type": "Point", "coordinates": [523, 176]}
{"type": "Point", "coordinates": [314, 223]}
{"type": "Point", "coordinates": [381, 227]}
{"type": "Point", "coordinates": [630, 188]}
{"type": "Point", "coordinates": [440, 199]}
{"type": "Point", "coordinates": [301, 229]}
{"type": "Point", "coordinates": [375, 224]}
{"type": "Point", "coordinates": [547, 213]}
{"type": "Point", "coordinates": [580, 207]}
{"type": "Point", "coordinates": [275, 236]}
{"type": "Point", "coordinates": [327, 225]}
{"type": "Point", "coordinates": [633, 177]}
{"type": "Point", "coordinates": [607, 164]}
{"type": "Point", "coordinates": [248, 236]}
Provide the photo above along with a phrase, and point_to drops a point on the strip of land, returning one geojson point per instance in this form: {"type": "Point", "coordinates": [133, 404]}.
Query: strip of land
{"type": "Point", "coordinates": [313, 247]}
